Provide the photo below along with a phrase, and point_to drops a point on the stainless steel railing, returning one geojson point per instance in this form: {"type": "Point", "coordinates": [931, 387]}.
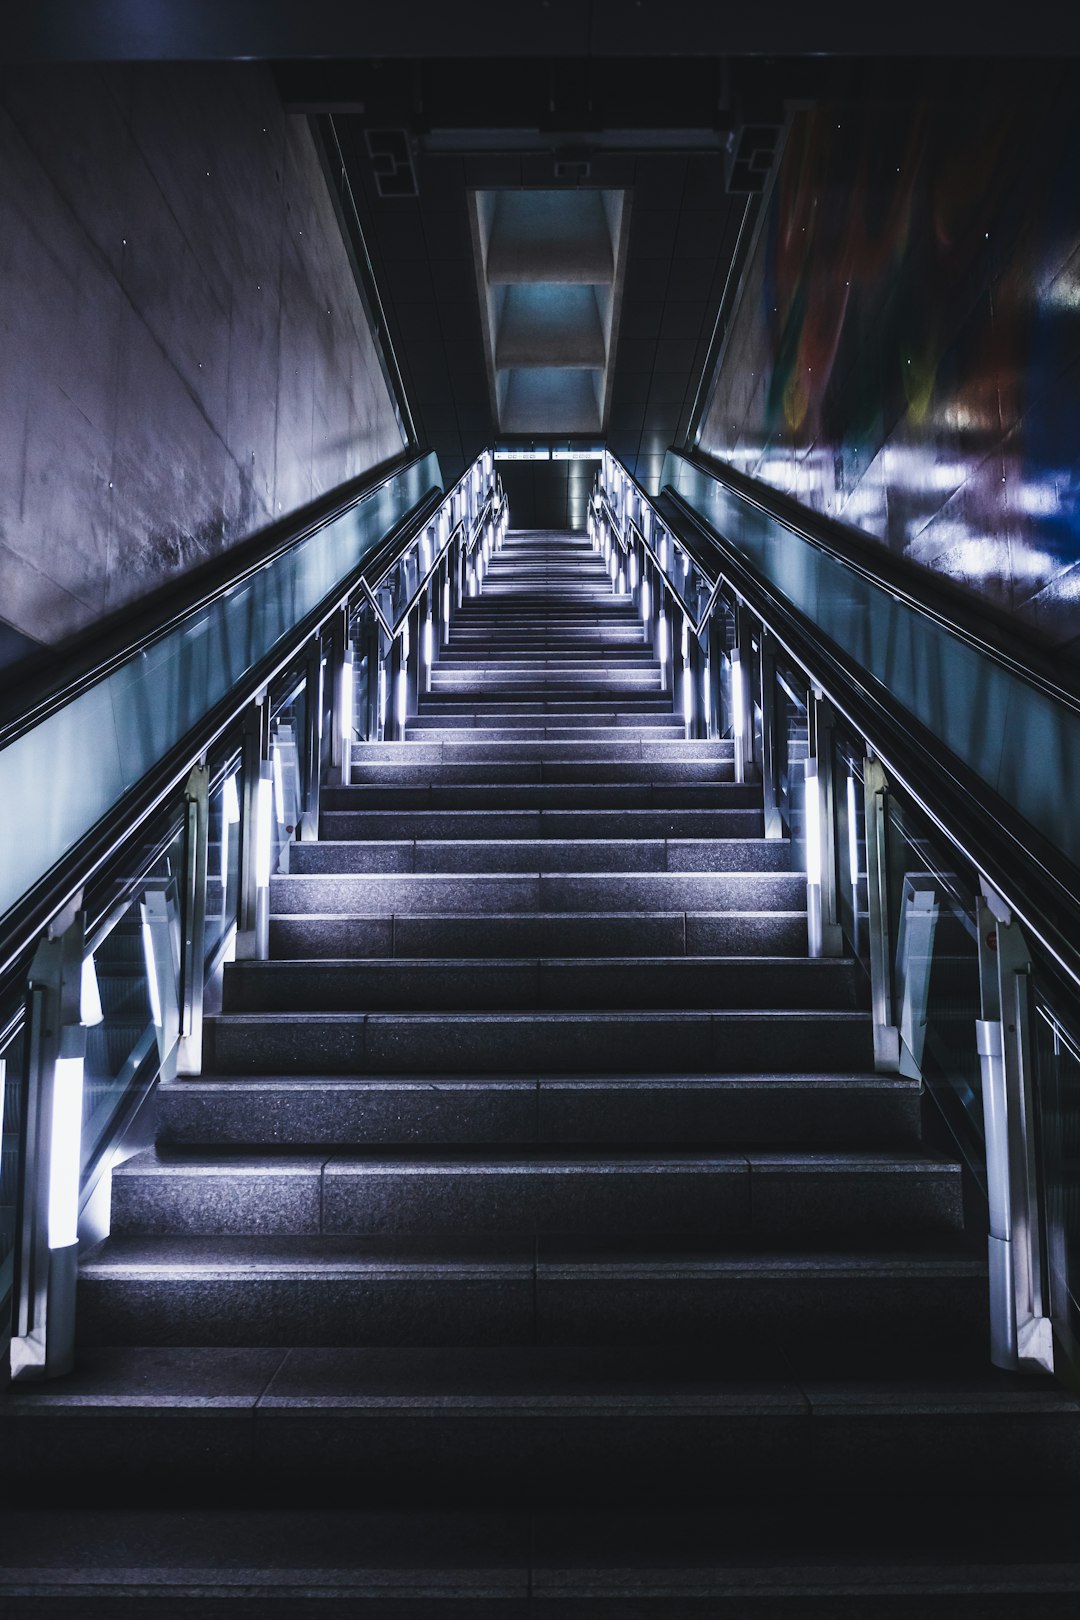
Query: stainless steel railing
{"type": "Point", "coordinates": [962, 912]}
{"type": "Point", "coordinates": [106, 998]}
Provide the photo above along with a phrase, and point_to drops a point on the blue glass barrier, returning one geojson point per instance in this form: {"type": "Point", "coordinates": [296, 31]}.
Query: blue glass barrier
{"type": "Point", "coordinates": [1017, 738]}
{"type": "Point", "coordinates": [61, 777]}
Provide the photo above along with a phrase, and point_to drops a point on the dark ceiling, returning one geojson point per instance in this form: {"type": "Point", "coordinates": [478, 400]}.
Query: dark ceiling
{"type": "Point", "coordinates": [417, 136]}
{"type": "Point", "coordinates": [265, 30]}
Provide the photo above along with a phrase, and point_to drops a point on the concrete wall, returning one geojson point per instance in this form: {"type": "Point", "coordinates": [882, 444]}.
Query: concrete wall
{"type": "Point", "coordinates": [906, 353]}
{"type": "Point", "coordinates": [184, 354]}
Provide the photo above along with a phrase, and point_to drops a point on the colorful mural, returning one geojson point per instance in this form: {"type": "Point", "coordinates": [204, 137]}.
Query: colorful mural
{"type": "Point", "coordinates": [906, 354]}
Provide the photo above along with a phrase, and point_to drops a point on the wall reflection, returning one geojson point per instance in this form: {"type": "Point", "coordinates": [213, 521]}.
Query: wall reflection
{"type": "Point", "coordinates": [906, 356]}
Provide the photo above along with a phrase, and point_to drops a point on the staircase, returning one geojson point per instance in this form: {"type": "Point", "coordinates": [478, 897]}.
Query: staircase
{"type": "Point", "coordinates": [539, 1199]}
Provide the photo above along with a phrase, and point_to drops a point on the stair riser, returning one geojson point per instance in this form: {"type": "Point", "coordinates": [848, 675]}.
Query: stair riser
{"type": "Point", "coordinates": [485, 985]}
{"type": "Point", "coordinates": [466, 751]}
{"type": "Point", "coordinates": [424, 1307]}
{"type": "Point", "coordinates": [543, 1110]}
{"type": "Point", "coordinates": [528, 1043]}
{"type": "Point", "coordinates": [469, 1454]}
{"type": "Point", "coordinates": [450, 771]}
{"type": "Point", "coordinates": [722, 1199]}
{"type": "Point", "coordinates": [353, 895]}
{"type": "Point", "coordinates": [635, 934]}
{"type": "Point", "coordinates": [611, 797]}
{"type": "Point", "coordinates": [338, 825]}
{"type": "Point", "coordinates": [541, 855]}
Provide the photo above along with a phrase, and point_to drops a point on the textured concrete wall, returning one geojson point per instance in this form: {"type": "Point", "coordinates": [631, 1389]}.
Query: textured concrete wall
{"type": "Point", "coordinates": [184, 354]}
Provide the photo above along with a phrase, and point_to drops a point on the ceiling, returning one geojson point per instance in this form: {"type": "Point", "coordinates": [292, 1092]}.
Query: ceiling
{"type": "Point", "coordinates": [265, 30]}
{"type": "Point", "coordinates": [549, 270]}
{"type": "Point", "coordinates": [552, 241]}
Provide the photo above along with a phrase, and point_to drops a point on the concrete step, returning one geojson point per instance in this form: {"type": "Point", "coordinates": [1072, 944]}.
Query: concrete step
{"type": "Point", "coordinates": [273, 1110]}
{"type": "Point", "coordinates": [360, 894]}
{"type": "Point", "coordinates": [820, 1554]}
{"type": "Point", "coordinates": [542, 855]}
{"type": "Point", "coordinates": [537, 768]}
{"type": "Point", "coordinates": [484, 984]}
{"type": "Point", "coordinates": [422, 726]}
{"type": "Point", "coordinates": [763, 1196]}
{"type": "Point", "coordinates": [436, 706]}
{"type": "Point", "coordinates": [581, 933]}
{"type": "Point", "coordinates": [368, 1291]}
{"type": "Point", "coordinates": [564, 825]}
{"type": "Point", "coordinates": [536, 729]}
{"type": "Point", "coordinates": [699, 1042]}
{"type": "Point", "coordinates": [465, 749]}
{"type": "Point", "coordinates": [477, 795]}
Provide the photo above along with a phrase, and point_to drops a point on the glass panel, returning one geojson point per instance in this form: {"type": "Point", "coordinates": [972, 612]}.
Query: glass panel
{"type": "Point", "coordinates": [12, 1076]}
{"type": "Point", "coordinates": [222, 864]}
{"type": "Point", "coordinates": [1057, 1057]}
{"type": "Point", "coordinates": [934, 948]}
{"type": "Point", "coordinates": [135, 715]}
{"type": "Point", "coordinates": [949, 686]}
{"type": "Point", "coordinates": [792, 751]}
{"type": "Point", "coordinates": [850, 826]}
{"type": "Point", "coordinates": [286, 733]}
{"type": "Point", "coordinates": [137, 970]}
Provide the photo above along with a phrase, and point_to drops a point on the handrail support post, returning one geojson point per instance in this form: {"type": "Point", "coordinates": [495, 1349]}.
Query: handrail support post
{"type": "Point", "coordinates": [1021, 1334]}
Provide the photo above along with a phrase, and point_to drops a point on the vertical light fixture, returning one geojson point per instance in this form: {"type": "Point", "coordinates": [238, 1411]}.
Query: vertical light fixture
{"type": "Point", "coordinates": [852, 839]}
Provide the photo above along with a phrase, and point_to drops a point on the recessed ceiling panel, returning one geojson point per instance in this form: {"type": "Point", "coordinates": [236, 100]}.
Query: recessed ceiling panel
{"type": "Point", "coordinates": [549, 270]}
{"type": "Point", "coordinates": [534, 397]}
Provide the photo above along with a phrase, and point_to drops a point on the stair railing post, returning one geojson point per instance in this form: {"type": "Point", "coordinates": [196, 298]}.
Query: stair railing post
{"type": "Point", "coordinates": [875, 806]}
{"type": "Point", "coordinates": [714, 664]}
{"type": "Point", "coordinates": [648, 599]}
{"type": "Point", "coordinates": [193, 921]}
{"type": "Point", "coordinates": [417, 618]}
{"type": "Point", "coordinates": [742, 693]}
{"type": "Point", "coordinates": [1021, 1334]}
{"type": "Point", "coordinates": [60, 1007]}
{"type": "Point", "coordinates": [823, 918]}
{"type": "Point", "coordinates": [428, 637]}
{"type": "Point", "coordinates": [445, 572]}
{"type": "Point", "coordinates": [370, 695]}
{"type": "Point", "coordinates": [312, 742]}
{"type": "Point", "coordinates": [396, 684]}
{"type": "Point", "coordinates": [256, 834]}
{"type": "Point", "coordinates": [664, 638]}
{"type": "Point", "coordinates": [696, 670]}
{"type": "Point", "coordinates": [774, 826]}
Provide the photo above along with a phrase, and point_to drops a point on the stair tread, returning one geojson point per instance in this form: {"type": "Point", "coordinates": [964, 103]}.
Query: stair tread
{"type": "Point", "coordinates": [748, 1380]}
{"type": "Point", "coordinates": [329, 1256]}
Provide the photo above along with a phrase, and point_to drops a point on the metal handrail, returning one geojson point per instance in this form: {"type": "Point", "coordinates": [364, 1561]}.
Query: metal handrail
{"type": "Point", "coordinates": [32, 698]}
{"type": "Point", "coordinates": [24, 922]}
{"type": "Point", "coordinates": [1037, 881]}
{"type": "Point", "coordinates": [934, 598]}
{"type": "Point", "coordinates": [392, 631]}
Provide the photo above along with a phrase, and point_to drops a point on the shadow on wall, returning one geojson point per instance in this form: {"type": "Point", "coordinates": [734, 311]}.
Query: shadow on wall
{"type": "Point", "coordinates": [906, 354]}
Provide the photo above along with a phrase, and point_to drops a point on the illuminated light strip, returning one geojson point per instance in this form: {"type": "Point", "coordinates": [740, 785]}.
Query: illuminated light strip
{"type": "Point", "coordinates": [852, 832]}
{"type": "Point", "coordinates": [738, 703]}
{"type": "Point", "coordinates": [65, 1152]}
{"type": "Point", "coordinates": [346, 706]}
{"type": "Point", "coordinates": [264, 834]}
{"type": "Point", "coordinates": [279, 786]}
{"type": "Point", "coordinates": [813, 822]}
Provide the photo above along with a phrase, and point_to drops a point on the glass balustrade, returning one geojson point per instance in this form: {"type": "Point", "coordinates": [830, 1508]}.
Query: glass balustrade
{"type": "Point", "coordinates": [141, 710]}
